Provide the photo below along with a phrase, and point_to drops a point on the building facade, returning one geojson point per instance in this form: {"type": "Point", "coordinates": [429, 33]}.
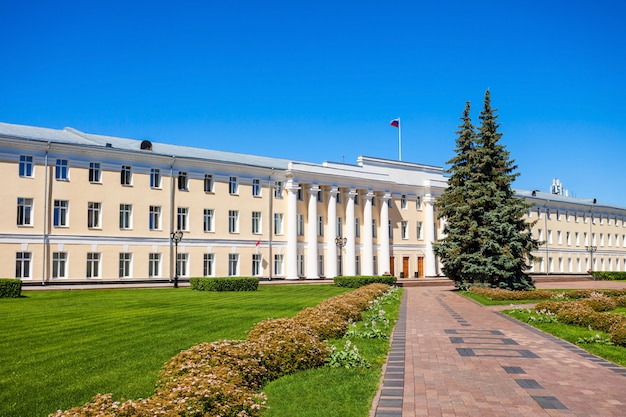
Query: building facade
{"type": "Point", "coordinates": [81, 207]}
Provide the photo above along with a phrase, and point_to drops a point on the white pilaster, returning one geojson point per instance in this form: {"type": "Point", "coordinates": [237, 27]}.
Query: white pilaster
{"type": "Point", "coordinates": [331, 235]}
{"type": "Point", "coordinates": [350, 264]}
{"type": "Point", "coordinates": [430, 267]}
{"type": "Point", "coordinates": [311, 253]}
{"type": "Point", "coordinates": [383, 236]}
{"type": "Point", "coordinates": [292, 230]}
{"type": "Point", "coordinates": [368, 237]}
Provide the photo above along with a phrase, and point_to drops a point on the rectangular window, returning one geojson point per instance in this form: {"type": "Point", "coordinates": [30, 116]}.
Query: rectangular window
{"type": "Point", "coordinates": [182, 218]}
{"type": "Point", "coordinates": [126, 216]}
{"type": "Point", "coordinates": [208, 183]}
{"type": "Point", "coordinates": [420, 230]}
{"type": "Point", "coordinates": [278, 189]}
{"type": "Point", "coordinates": [125, 265]}
{"type": "Point", "coordinates": [300, 221]}
{"type": "Point", "coordinates": [418, 203]}
{"type": "Point", "coordinates": [233, 264]}
{"type": "Point", "coordinates": [59, 264]}
{"type": "Point", "coordinates": [339, 198]}
{"type": "Point", "coordinates": [60, 213]}
{"type": "Point", "coordinates": [256, 265]}
{"type": "Point", "coordinates": [549, 236]}
{"type": "Point", "coordinates": [24, 211]}
{"type": "Point", "coordinates": [357, 227]}
{"type": "Point", "coordinates": [155, 218]}
{"type": "Point", "coordinates": [357, 261]}
{"type": "Point", "coordinates": [94, 172]}
{"type": "Point", "coordinates": [375, 261]}
{"type": "Point", "coordinates": [405, 229]}
{"type": "Point", "coordinates": [559, 237]}
{"type": "Point", "coordinates": [155, 178]}
{"type": "Point", "coordinates": [278, 264]}
{"type": "Point", "coordinates": [390, 226]}
{"type": "Point", "coordinates": [93, 265]}
{"type": "Point", "coordinates": [26, 166]}
{"type": "Point", "coordinates": [154, 265]}
{"type": "Point", "coordinates": [183, 181]}
{"type": "Point", "coordinates": [182, 264]}
{"type": "Point", "coordinates": [320, 265]}
{"type": "Point", "coordinates": [357, 198]}
{"type": "Point", "coordinates": [339, 227]}
{"type": "Point", "coordinates": [278, 223]}
{"type": "Point", "coordinates": [256, 187]}
{"type": "Point", "coordinates": [320, 195]}
{"type": "Point", "coordinates": [233, 187]}
{"type": "Point", "coordinates": [22, 265]}
{"type": "Point", "coordinates": [300, 194]}
{"type": "Point", "coordinates": [568, 238]}
{"type": "Point", "coordinates": [374, 228]}
{"type": "Point", "coordinates": [233, 221]}
{"type": "Point", "coordinates": [94, 212]}
{"type": "Point", "coordinates": [300, 265]}
{"type": "Point", "coordinates": [208, 268]}
{"type": "Point", "coordinates": [209, 220]}
{"type": "Point", "coordinates": [320, 225]}
{"type": "Point", "coordinates": [403, 202]}
{"type": "Point", "coordinates": [62, 170]}
{"type": "Point", "coordinates": [126, 175]}
{"type": "Point", "coordinates": [577, 238]}
{"type": "Point", "coordinates": [256, 222]}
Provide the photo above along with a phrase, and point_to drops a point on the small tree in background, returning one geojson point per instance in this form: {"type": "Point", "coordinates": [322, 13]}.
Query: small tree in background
{"type": "Point", "coordinates": [487, 238]}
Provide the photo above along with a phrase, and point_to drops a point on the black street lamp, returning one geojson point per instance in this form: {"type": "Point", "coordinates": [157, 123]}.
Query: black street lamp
{"type": "Point", "coordinates": [591, 250]}
{"type": "Point", "coordinates": [340, 242]}
{"type": "Point", "coordinates": [176, 237]}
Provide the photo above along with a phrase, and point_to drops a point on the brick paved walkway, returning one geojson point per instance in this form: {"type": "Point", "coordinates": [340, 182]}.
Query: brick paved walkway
{"type": "Point", "coordinates": [453, 357]}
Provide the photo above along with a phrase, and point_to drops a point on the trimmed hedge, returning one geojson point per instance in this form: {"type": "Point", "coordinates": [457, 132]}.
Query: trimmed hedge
{"type": "Point", "coordinates": [609, 275]}
{"type": "Point", "coordinates": [10, 288]}
{"type": "Point", "coordinates": [224, 284]}
{"type": "Point", "coordinates": [361, 281]}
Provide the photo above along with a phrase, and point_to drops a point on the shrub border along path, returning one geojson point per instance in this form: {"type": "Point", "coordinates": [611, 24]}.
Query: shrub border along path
{"type": "Point", "coordinates": [223, 378]}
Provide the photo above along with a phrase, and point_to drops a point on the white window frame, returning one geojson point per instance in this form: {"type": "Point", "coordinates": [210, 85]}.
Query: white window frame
{"type": "Point", "coordinates": [25, 211]}
{"type": "Point", "coordinates": [182, 264]}
{"type": "Point", "coordinates": [182, 218]}
{"type": "Point", "coordinates": [256, 187]}
{"type": "Point", "coordinates": [279, 223]}
{"type": "Point", "coordinates": [320, 226]}
{"type": "Point", "coordinates": [404, 205]}
{"type": "Point", "coordinates": [59, 265]}
{"type": "Point", "coordinates": [154, 218]}
{"type": "Point", "coordinates": [23, 265]}
{"type": "Point", "coordinates": [208, 220]}
{"type": "Point", "coordinates": [95, 173]}
{"type": "Point", "coordinates": [257, 265]}
{"type": "Point", "coordinates": [26, 167]}
{"type": "Point", "coordinates": [183, 181]}
{"type": "Point", "coordinates": [125, 265]}
{"type": "Point", "coordinates": [279, 264]}
{"type": "Point", "coordinates": [126, 216]}
{"type": "Point", "coordinates": [233, 264]}
{"type": "Point", "coordinates": [404, 225]}
{"type": "Point", "coordinates": [300, 221]}
{"type": "Point", "coordinates": [233, 221]}
{"type": "Point", "coordinates": [257, 223]}
{"type": "Point", "coordinates": [155, 178]}
{"type": "Point", "coordinates": [126, 176]}
{"type": "Point", "coordinates": [208, 265]}
{"type": "Point", "coordinates": [62, 170]}
{"type": "Point", "coordinates": [60, 213]}
{"type": "Point", "coordinates": [278, 189]}
{"type": "Point", "coordinates": [94, 215]}
{"type": "Point", "coordinates": [208, 183]}
{"type": "Point", "coordinates": [233, 186]}
{"type": "Point", "coordinates": [154, 265]}
{"type": "Point", "coordinates": [93, 265]}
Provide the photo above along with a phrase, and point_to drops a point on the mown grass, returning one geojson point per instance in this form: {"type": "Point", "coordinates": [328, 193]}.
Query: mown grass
{"type": "Point", "coordinates": [334, 392]}
{"type": "Point", "coordinates": [572, 334]}
{"type": "Point", "coordinates": [60, 348]}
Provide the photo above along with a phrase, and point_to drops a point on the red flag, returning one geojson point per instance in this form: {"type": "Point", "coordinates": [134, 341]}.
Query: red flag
{"type": "Point", "coordinates": [395, 123]}
{"type": "Point", "coordinates": [258, 242]}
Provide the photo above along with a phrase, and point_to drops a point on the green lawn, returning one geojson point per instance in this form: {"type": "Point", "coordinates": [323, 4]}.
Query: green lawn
{"type": "Point", "coordinates": [60, 348]}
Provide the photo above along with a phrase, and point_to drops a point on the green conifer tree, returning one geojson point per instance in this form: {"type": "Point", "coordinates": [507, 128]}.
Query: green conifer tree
{"type": "Point", "coordinates": [487, 238]}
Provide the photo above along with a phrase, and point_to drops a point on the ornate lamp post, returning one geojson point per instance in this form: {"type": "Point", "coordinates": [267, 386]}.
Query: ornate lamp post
{"type": "Point", "coordinates": [591, 250]}
{"type": "Point", "coordinates": [176, 237]}
{"type": "Point", "coordinates": [340, 242]}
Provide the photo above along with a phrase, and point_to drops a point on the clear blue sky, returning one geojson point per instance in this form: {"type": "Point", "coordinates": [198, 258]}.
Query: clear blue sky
{"type": "Point", "coordinates": [322, 81]}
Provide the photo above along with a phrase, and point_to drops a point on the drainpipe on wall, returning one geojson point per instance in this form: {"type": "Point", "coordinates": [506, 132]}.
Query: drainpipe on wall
{"type": "Point", "coordinates": [45, 217]}
{"type": "Point", "coordinates": [172, 202]}
{"type": "Point", "coordinates": [271, 224]}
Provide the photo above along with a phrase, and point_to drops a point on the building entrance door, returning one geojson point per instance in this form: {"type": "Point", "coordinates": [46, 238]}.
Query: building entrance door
{"type": "Point", "coordinates": [405, 266]}
{"type": "Point", "coordinates": [392, 266]}
{"type": "Point", "coordinates": [420, 266]}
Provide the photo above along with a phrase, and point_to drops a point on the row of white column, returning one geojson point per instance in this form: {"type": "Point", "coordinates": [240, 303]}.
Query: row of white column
{"type": "Point", "coordinates": [331, 258]}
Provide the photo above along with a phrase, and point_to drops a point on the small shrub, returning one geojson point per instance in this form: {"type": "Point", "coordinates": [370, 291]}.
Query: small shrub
{"type": "Point", "coordinates": [361, 281]}
{"type": "Point", "coordinates": [609, 275]}
{"type": "Point", "coordinates": [618, 334]}
{"type": "Point", "coordinates": [550, 306]}
{"type": "Point", "coordinates": [576, 314]}
{"type": "Point", "coordinates": [325, 322]}
{"type": "Point", "coordinates": [499, 294]}
{"type": "Point", "coordinates": [620, 301]}
{"type": "Point", "coordinates": [348, 357]}
{"type": "Point", "coordinates": [600, 303]}
{"type": "Point", "coordinates": [10, 288]}
{"type": "Point", "coordinates": [606, 321]}
{"type": "Point", "coordinates": [224, 284]}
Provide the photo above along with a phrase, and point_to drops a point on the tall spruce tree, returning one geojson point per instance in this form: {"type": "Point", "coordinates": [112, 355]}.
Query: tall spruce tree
{"type": "Point", "coordinates": [487, 238]}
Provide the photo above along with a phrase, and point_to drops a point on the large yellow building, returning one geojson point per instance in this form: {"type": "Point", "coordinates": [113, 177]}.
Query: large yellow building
{"type": "Point", "coordinates": [81, 207]}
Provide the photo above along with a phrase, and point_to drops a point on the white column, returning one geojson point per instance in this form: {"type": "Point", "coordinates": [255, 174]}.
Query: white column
{"type": "Point", "coordinates": [311, 253]}
{"type": "Point", "coordinates": [383, 236]}
{"type": "Point", "coordinates": [368, 237]}
{"type": "Point", "coordinates": [429, 259]}
{"type": "Point", "coordinates": [331, 235]}
{"type": "Point", "coordinates": [292, 230]}
{"type": "Point", "coordinates": [350, 263]}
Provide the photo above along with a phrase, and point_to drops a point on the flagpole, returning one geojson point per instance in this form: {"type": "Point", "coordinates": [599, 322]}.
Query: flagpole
{"type": "Point", "coordinates": [399, 140]}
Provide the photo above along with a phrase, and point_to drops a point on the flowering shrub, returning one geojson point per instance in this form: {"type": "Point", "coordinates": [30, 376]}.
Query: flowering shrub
{"type": "Point", "coordinates": [348, 357]}
{"type": "Point", "coordinates": [599, 303]}
{"type": "Point", "coordinates": [222, 378]}
{"type": "Point", "coordinates": [501, 294]}
{"type": "Point", "coordinates": [606, 321]}
{"type": "Point", "coordinates": [576, 314]}
{"type": "Point", "coordinates": [618, 334]}
{"type": "Point", "coordinates": [620, 301]}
